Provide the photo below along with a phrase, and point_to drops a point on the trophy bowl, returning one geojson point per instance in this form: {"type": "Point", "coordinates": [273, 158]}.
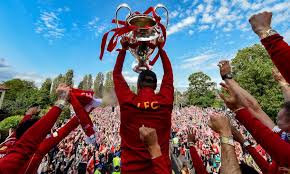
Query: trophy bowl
{"type": "Point", "coordinates": [144, 37]}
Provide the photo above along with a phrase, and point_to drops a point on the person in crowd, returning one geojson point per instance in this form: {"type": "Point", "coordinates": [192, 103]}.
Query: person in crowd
{"type": "Point", "coordinates": [270, 141]}
{"type": "Point", "coordinates": [27, 121]}
{"type": "Point", "coordinates": [144, 108]}
{"type": "Point", "coordinates": [252, 104]}
{"type": "Point", "coordinates": [56, 137]}
{"type": "Point", "coordinates": [30, 140]}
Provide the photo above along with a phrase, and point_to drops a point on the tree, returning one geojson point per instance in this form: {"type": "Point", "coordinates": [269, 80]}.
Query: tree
{"type": "Point", "coordinates": [44, 92]}
{"type": "Point", "coordinates": [58, 80]}
{"type": "Point", "coordinates": [201, 91]}
{"type": "Point", "coordinates": [22, 93]}
{"type": "Point", "coordinates": [68, 78]}
{"type": "Point", "coordinates": [17, 86]}
{"type": "Point", "coordinates": [109, 84]}
{"type": "Point", "coordinates": [90, 81]}
{"type": "Point", "coordinates": [81, 84]}
{"type": "Point", "coordinates": [86, 83]}
{"type": "Point", "coordinates": [252, 70]}
{"type": "Point", "coordinates": [99, 85]}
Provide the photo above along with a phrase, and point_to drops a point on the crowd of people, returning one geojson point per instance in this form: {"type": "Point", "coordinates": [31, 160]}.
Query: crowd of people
{"type": "Point", "coordinates": [137, 136]}
{"type": "Point", "coordinates": [207, 141]}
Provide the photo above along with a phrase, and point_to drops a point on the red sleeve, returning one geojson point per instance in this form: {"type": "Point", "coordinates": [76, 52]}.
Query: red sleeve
{"type": "Point", "coordinates": [166, 88]}
{"type": "Point", "coordinates": [279, 52]}
{"type": "Point", "coordinates": [122, 89]}
{"type": "Point", "coordinates": [50, 142]}
{"type": "Point", "coordinates": [197, 162]}
{"type": "Point", "coordinates": [260, 161]}
{"type": "Point", "coordinates": [159, 166]}
{"type": "Point", "coordinates": [278, 149]}
{"type": "Point", "coordinates": [29, 142]}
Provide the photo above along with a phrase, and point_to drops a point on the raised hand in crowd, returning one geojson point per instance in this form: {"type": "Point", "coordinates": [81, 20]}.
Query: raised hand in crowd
{"type": "Point", "coordinates": [150, 139]}
{"type": "Point", "coordinates": [261, 22]}
{"type": "Point", "coordinates": [245, 98]}
{"type": "Point", "coordinates": [221, 124]}
{"type": "Point", "coordinates": [63, 91]}
{"type": "Point", "coordinates": [277, 48]}
{"type": "Point", "coordinates": [191, 135]}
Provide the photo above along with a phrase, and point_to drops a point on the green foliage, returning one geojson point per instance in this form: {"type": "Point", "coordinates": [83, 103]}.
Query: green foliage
{"type": "Point", "coordinates": [99, 85]}
{"type": "Point", "coordinates": [201, 91]}
{"type": "Point", "coordinates": [86, 83]}
{"type": "Point", "coordinates": [10, 122]}
{"type": "Point", "coordinates": [109, 84]}
{"type": "Point", "coordinates": [22, 94]}
{"type": "Point", "coordinates": [68, 78]}
{"type": "Point", "coordinates": [58, 80]}
{"type": "Point", "coordinates": [252, 70]}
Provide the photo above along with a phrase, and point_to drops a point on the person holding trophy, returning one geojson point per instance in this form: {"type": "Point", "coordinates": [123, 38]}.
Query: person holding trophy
{"type": "Point", "coordinates": [146, 108]}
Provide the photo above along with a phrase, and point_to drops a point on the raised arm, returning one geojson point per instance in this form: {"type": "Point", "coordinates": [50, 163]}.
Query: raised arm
{"type": "Point", "coordinates": [122, 89]}
{"type": "Point", "coordinates": [277, 48]}
{"type": "Point", "coordinates": [283, 84]}
{"type": "Point", "coordinates": [49, 143]}
{"type": "Point", "coordinates": [30, 140]}
{"type": "Point", "coordinates": [196, 160]}
{"type": "Point", "coordinates": [229, 161]}
{"type": "Point", "coordinates": [278, 149]}
{"type": "Point", "coordinates": [246, 99]}
{"type": "Point", "coordinates": [150, 139]}
{"type": "Point", "coordinates": [166, 89]}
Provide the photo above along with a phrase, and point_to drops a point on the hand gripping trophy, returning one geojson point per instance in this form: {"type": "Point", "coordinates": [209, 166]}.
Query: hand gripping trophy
{"type": "Point", "coordinates": [143, 32]}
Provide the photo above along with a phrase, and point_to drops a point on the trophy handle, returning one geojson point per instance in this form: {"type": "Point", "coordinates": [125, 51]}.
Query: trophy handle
{"type": "Point", "coordinates": [124, 5]}
{"type": "Point", "coordinates": [167, 13]}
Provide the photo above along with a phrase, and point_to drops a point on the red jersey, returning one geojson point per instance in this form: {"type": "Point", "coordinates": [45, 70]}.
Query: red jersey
{"type": "Point", "coordinates": [279, 52]}
{"type": "Point", "coordinates": [148, 109]}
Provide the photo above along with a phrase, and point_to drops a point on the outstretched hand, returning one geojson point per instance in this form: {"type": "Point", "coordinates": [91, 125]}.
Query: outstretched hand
{"type": "Point", "coordinates": [191, 135]}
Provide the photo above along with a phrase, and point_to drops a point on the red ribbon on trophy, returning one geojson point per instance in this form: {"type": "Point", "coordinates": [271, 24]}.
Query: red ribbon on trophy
{"type": "Point", "coordinates": [142, 31]}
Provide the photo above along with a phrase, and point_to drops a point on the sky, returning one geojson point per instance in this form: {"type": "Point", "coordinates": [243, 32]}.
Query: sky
{"type": "Point", "coordinates": [43, 38]}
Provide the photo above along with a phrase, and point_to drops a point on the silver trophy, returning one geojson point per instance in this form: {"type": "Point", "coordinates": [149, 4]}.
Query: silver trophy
{"type": "Point", "coordinates": [144, 37]}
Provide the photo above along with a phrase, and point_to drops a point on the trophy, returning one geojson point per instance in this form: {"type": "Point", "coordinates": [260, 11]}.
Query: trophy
{"type": "Point", "coordinates": [142, 31]}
